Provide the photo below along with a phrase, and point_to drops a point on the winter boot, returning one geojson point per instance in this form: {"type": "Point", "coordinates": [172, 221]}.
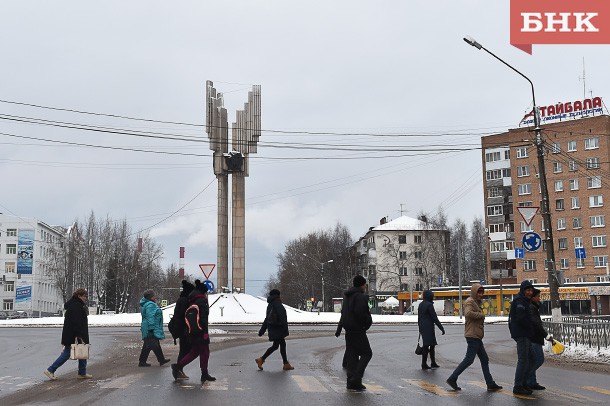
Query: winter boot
{"type": "Point", "coordinates": [453, 384]}
{"type": "Point", "coordinates": [165, 361]}
{"type": "Point", "coordinates": [205, 376]}
{"type": "Point", "coordinates": [182, 375]}
{"type": "Point", "coordinates": [424, 359]}
{"type": "Point", "coordinates": [260, 362]}
{"type": "Point", "coordinates": [175, 369]}
{"type": "Point", "coordinates": [433, 363]}
{"type": "Point", "coordinates": [493, 387]}
{"type": "Point", "coordinates": [288, 367]}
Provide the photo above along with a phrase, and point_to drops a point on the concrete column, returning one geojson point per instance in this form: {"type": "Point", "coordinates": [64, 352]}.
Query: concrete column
{"type": "Point", "coordinates": [238, 224]}
{"type": "Point", "coordinates": [222, 255]}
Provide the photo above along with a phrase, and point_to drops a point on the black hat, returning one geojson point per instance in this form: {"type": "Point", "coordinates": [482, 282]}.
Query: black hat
{"type": "Point", "coordinates": [202, 287]}
{"type": "Point", "coordinates": [274, 292]}
{"type": "Point", "coordinates": [536, 292]}
{"type": "Point", "coordinates": [359, 281]}
{"type": "Point", "coordinates": [148, 294]}
{"type": "Point", "coordinates": [187, 287]}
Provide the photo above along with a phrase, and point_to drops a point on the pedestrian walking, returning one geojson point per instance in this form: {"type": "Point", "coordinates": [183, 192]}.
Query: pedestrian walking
{"type": "Point", "coordinates": [337, 334]}
{"type": "Point", "coordinates": [196, 320]}
{"type": "Point", "coordinates": [540, 334]}
{"type": "Point", "coordinates": [474, 331]}
{"type": "Point", "coordinates": [276, 324]}
{"type": "Point", "coordinates": [152, 329]}
{"type": "Point", "coordinates": [75, 328]}
{"type": "Point", "coordinates": [356, 320]}
{"type": "Point", "coordinates": [521, 326]}
{"type": "Point", "coordinates": [179, 312]}
{"type": "Point", "coordinates": [426, 319]}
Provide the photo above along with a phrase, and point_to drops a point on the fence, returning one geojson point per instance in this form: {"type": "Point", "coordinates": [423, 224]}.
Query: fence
{"type": "Point", "coordinates": [587, 331]}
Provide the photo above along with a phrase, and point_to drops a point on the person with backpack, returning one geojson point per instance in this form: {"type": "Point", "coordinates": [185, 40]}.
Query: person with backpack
{"type": "Point", "coordinates": [426, 319]}
{"type": "Point", "coordinates": [356, 320]}
{"type": "Point", "coordinates": [276, 324]}
{"type": "Point", "coordinates": [177, 326]}
{"type": "Point", "coordinates": [152, 329]}
{"type": "Point", "coordinates": [196, 322]}
{"type": "Point", "coordinates": [521, 327]}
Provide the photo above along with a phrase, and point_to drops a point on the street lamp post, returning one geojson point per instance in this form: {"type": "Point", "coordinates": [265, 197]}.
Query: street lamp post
{"type": "Point", "coordinates": [322, 265]}
{"type": "Point", "coordinates": [546, 214]}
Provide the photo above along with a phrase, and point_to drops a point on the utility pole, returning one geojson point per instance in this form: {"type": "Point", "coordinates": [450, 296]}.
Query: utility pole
{"type": "Point", "coordinates": [460, 275]}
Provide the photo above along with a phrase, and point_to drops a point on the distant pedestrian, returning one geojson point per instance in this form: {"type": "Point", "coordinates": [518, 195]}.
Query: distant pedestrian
{"type": "Point", "coordinates": [426, 319]}
{"type": "Point", "coordinates": [75, 328]}
{"type": "Point", "coordinates": [179, 311]}
{"type": "Point", "coordinates": [196, 319]}
{"type": "Point", "coordinates": [521, 326]}
{"type": "Point", "coordinates": [474, 332]}
{"type": "Point", "coordinates": [276, 324]}
{"type": "Point", "coordinates": [152, 329]}
{"type": "Point", "coordinates": [356, 320]}
{"type": "Point", "coordinates": [537, 342]}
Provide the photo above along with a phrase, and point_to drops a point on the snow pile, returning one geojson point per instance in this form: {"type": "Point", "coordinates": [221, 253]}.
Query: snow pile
{"type": "Point", "coordinates": [582, 353]}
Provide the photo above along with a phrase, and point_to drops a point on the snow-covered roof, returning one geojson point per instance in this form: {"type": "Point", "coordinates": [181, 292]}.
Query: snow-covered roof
{"type": "Point", "coordinates": [403, 223]}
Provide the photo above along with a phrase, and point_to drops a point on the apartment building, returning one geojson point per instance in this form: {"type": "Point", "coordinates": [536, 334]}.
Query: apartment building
{"type": "Point", "coordinates": [577, 163]}
{"type": "Point", "coordinates": [25, 287]}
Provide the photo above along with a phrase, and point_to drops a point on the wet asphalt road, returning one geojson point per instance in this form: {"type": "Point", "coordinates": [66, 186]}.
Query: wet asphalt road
{"type": "Point", "coordinates": [393, 376]}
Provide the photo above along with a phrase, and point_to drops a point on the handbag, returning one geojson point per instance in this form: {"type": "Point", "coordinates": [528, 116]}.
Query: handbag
{"type": "Point", "coordinates": [79, 350]}
{"type": "Point", "coordinates": [419, 350]}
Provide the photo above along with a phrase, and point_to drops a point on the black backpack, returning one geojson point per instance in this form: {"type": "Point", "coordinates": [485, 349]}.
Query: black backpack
{"type": "Point", "coordinates": [173, 330]}
{"type": "Point", "coordinates": [191, 319]}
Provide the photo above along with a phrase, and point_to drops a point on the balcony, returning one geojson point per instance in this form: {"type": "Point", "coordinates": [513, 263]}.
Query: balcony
{"type": "Point", "coordinates": [494, 183]}
{"type": "Point", "coordinates": [506, 273]}
{"type": "Point", "coordinates": [495, 200]}
{"type": "Point", "coordinates": [497, 256]}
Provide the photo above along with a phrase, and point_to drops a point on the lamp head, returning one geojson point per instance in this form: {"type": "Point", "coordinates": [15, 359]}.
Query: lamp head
{"type": "Point", "coordinates": [473, 42]}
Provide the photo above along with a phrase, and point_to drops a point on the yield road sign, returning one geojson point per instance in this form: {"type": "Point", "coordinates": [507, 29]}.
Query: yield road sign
{"type": "Point", "coordinates": [528, 213]}
{"type": "Point", "coordinates": [207, 269]}
{"type": "Point", "coordinates": [531, 241]}
{"type": "Point", "coordinates": [580, 253]}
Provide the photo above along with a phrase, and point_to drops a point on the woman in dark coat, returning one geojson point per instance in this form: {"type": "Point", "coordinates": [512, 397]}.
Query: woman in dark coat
{"type": "Point", "coordinates": [276, 323]}
{"type": "Point", "coordinates": [181, 305]}
{"type": "Point", "coordinates": [75, 327]}
{"type": "Point", "coordinates": [426, 319]}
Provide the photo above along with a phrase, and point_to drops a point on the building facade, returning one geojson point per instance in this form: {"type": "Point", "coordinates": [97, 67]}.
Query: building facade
{"type": "Point", "coordinates": [577, 163]}
{"type": "Point", "coordinates": [26, 289]}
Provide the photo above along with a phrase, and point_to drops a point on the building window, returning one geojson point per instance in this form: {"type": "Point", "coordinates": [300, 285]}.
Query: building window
{"type": "Point", "coordinates": [576, 223]}
{"type": "Point", "coordinates": [9, 267]}
{"type": "Point", "coordinates": [592, 143]}
{"type": "Point", "coordinates": [573, 184]}
{"type": "Point", "coordinates": [556, 148]}
{"type": "Point", "coordinates": [525, 228]}
{"type": "Point", "coordinates": [523, 171]}
{"type": "Point", "coordinates": [402, 271]}
{"type": "Point", "coordinates": [592, 163]}
{"type": "Point", "coordinates": [492, 156]}
{"type": "Point", "coordinates": [497, 247]}
{"type": "Point", "coordinates": [529, 265]}
{"type": "Point", "coordinates": [521, 152]}
{"type": "Point", "coordinates": [572, 166]}
{"type": "Point", "coordinates": [496, 228]}
{"type": "Point", "coordinates": [11, 232]}
{"type": "Point", "coordinates": [9, 286]}
{"type": "Point", "coordinates": [561, 224]}
{"type": "Point", "coordinates": [580, 262]}
{"type": "Point", "coordinates": [556, 167]}
{"type": "Point", "coordinates": [507, 154]}
{"type": "Point", "coordinates": [577, 242]}
{"type": "Point", "coordinates": [506, 173]}
{"type": "Point", "coordinates": [494, 210]}
{"type": "Point", "coordinates": [524, 189]}
{"type": "Point", "coordinates": [402, 239]}
{"type": "Point", "coordinates": [371, 270]}
{"type": "Point", "coordinates": [596, 201]}
{"type": "Point", "coordinates": [594, 182]}
{"type": "Point", "coordinates": [598, 221]}
{"type": "Point", "coordinates": [493, 174]}
{"type": "Point", "coordinates": [563, 243]}
{"type": "Point", "coordinates": [7, 304]}
{"type": "Point", "coordinates": [417, 254]}
{"type": "Point", "coordinates": [571, 146]}
{"type": "Point", "coordinates": [564, 263]}
{"type": "Point", "coordinates": [598, 241]}
{"type": "Point", "coordinates": [11, 248]}
{"type": "Point", "coordinates": [559, 205]}
{"type": "Point", "coordinates": [600, 261]}
{"type": "Point", "coordinates": [402, 254]}
{"type": "Point", "coordinates": [559, 186]}
{"type": "Point", "coordinates": [494, 192]}
{"type": "Point", "coordinates": [418, 271]}
{"type": "Point", "coordinates": [525, 204]}
{"type": "Point", "coordinates": [417, 239]}
{"type": "Point", "coordinates": [576, 202]}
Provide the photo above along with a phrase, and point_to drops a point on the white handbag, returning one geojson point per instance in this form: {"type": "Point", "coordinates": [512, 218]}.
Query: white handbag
{"type": "Point", "coordinates": [79, 350]}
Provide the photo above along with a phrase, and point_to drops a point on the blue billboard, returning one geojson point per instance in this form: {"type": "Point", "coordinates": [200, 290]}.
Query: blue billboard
{"type": "Point", "coordinates": [23, 294]}
{"type": "Point", "coordinates": [25, 251]}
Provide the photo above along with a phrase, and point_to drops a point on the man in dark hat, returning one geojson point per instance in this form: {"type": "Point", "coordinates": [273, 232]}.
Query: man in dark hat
{"type": "Point", "coordinates": [521, 326]}
{"type": "Point", "coordinates": [356, 320]}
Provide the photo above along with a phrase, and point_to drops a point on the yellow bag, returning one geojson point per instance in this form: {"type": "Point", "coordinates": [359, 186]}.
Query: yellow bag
{"type": "Point", "coordinates": [557, 347]}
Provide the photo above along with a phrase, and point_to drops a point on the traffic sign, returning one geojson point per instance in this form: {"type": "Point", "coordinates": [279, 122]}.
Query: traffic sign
{"type": "Point", "coordinates": [519, 252]}
{"type": "Point", "coordinates": [528, 213]}
{"type": "Point", "coordinates": [209, 284]}
{"type": "Point", "coordinates": [532, 241]}
{"type": "Point", "coordinates": [207, 269]}
{"type": "Point", "coordinates": [580, 253]}
{"type": "Point", "coordinates": [164, 303]}
{"type": "Point", "coordinates": [440, 280]}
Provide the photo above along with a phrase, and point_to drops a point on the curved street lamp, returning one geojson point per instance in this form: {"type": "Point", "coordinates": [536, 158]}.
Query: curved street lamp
{"type": "Point", "coordinates": [322, 272]}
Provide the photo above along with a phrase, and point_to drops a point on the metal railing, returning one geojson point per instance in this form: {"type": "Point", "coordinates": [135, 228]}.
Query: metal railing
{"type": "Point", "coordinates": [590, 332]}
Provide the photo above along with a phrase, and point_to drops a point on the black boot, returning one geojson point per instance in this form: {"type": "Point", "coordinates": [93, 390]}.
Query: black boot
{"type": "Point", "coordinates": [205, 376]}
{"type": "Point", "coordinates": [433, 363]}
{"type": "Point", "coordinates": [424, 359]}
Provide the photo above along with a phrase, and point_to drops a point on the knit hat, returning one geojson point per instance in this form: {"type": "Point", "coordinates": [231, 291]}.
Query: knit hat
{"type": "Point", "coordinates": [359, 281]}
{"type": "Point", "coordinates": [148, 294]}
{"type": "Point", "coordinates": [274, 292]}
{"type": "Point", "coordinates": [536, 292]}
{"type": "Point", "coordinates": [187, 287]}
{"type": "Point", "coordinates": [203, 288]}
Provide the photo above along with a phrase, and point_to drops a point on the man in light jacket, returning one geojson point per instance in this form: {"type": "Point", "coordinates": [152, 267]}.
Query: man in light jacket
{"type": "Point", "coordinates": [474, 332]}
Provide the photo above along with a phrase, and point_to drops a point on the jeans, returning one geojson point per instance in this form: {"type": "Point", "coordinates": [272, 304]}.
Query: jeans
{"type": "Point", "coordinates": [475, 348]}
{"type": "Point", "coordinates": [281, 343]}
{"type": "Point", "coordinates": [538, 358]}
{"type": "Point", "coordinates": [148, 345]}
{"type": "Point", "coordinates": [358, 353]}
{"type": "Point", "coordinates": [63, 357]}
{"type": "Point", "coordinates": [525, 361]}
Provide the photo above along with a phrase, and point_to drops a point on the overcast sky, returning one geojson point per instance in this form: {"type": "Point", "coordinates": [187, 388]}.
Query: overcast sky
{"type": "Point", "coordinates": [351, 70]}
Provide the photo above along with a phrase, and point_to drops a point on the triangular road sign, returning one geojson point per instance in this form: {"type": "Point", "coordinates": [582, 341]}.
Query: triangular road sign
{"type": "Point", "coordinates": [207, 269]}
{"type": "Point", "coordinates": [528, 213]}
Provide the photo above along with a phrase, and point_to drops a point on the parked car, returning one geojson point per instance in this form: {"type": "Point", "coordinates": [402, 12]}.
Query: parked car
{"type": "Point", "coordinates": [19, 314]}
{"type": "Point", "coordinates": [3, 316]}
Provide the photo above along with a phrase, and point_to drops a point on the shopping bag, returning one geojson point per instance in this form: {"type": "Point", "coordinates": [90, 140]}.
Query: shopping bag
{"type": "Point", "coordinates": [79, 350]}
{"type": "Point", "coordinates": [557, 347]}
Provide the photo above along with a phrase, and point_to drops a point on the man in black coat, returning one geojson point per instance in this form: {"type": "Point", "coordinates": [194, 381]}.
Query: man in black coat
{"type": "Point", "coordinates": [276, 323]}
{"type": "Point", "coordinates": [181, 305]}
{"type": "Point", "coordinates": [521, 326]}
{"type": "Point", "coordinates": [356, 320]}
{"type": "Point", "coordinates": [539, 335]}
{"type": "Point", "coordinates": [75, 328]}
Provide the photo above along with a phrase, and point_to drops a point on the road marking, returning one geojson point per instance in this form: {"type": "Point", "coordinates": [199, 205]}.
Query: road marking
{"type": "Point", "coordinates": [430, 387]}
{"type": "Point", "coordinates": [502, 391]}
{"type": "Point", "coordinates": [309, 383]}
{"type": "Point", "coordinates": [218, 384]}
{"type": "Point", "coordinates": [375, 388]}
{"type": "Point", "coordinates": [334, 382]}
{"type": "Point", "coordinates": [121, 382]}
{"type": "Point", "coordinates": [595, 389]}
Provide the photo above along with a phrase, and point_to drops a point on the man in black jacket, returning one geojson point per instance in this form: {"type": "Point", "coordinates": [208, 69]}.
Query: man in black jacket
{"type": "Point", "coordinates": [521, 327]}
{"type": "Point", "coordinates": [537, 342]}
{"type": "Point", "coordinates": [356, 320]}
{"type": "Point", "coordinates": [181, 305]}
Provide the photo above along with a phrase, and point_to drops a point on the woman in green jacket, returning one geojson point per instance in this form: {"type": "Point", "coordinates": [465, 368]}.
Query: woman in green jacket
{"type": "Point", "coordinates": [152, 329]}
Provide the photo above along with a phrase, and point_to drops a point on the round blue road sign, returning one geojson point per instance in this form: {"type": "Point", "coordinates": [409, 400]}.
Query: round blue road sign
{"type": "Point", "coordinates": [532, 241]}
{"type": "Point", "coordinates": [209, 284]}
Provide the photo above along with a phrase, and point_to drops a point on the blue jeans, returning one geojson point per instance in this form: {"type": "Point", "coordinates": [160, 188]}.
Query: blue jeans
{"type": "Point", "coordinates": [538, 357]}
{"type": "Point", "coordinates": [63, 357]}
{"type": "Point", "coordinates": [525, 361]}
{"type": "Point", "coordinates": [475, 349]}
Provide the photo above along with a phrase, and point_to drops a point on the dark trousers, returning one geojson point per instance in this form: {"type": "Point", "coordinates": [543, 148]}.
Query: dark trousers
{"type": "Point", "coordinates": [151, 344]}
{"type": "Point", "coordinates": [428, 349]}
{"type": "Point", "coordinates": [185, 347]}
{"type": "Point", "coordinates": [358, 353]}
{"type": "Point", "coordinates": [538, 357]}
{"type": "Point", "coordinates": [475, 349]}
{"type": "Point", "coordinates": [525, 362]}
{"type": "Point", "coordinates": [201, 350]}
{"type": "Point", "coordinates": [281, 343]}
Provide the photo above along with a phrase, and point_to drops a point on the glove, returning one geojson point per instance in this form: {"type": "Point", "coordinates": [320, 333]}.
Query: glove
{"type": "Point", "coordinates": [206, 336]}
{"type": "Point", "coordinates": [337, 334]}
{"type": "Point", "coordinates": [443, 331]}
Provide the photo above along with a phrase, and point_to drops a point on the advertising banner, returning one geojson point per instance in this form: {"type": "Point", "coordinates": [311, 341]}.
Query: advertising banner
{"type": "Point", "coordinates": [25, 251]}
{"type": "Point", "coordinates": [23, 297]}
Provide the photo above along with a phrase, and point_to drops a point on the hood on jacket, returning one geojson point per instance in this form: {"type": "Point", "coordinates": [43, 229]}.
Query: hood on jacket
{"type": "Point", "coordinates": [525, 285]}
{"type": "Point", "coordinates": [428, 295]}
{"type": "Point", "coordinates": [143, 301]}
{"type": "Point", "coordinates": [272, 297]}
{"type": "Point", "coordinates": [187, 288]}
{"type": "Point", "coordinates": [474, 289]}
{"type": "Point", "coordinates": [352, 290]}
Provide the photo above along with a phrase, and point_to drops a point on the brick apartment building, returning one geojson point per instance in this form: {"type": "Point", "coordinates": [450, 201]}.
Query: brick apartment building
{"type": "Point", "coordinates": [577, 164]}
